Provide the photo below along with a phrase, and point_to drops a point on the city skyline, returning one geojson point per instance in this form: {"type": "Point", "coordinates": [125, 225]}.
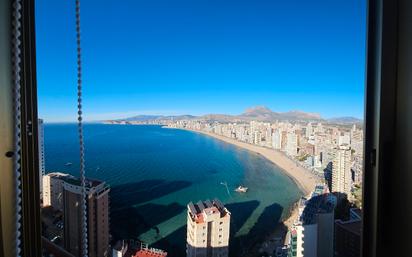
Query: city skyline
{"type": "Point", "coordinates": [202, 57]}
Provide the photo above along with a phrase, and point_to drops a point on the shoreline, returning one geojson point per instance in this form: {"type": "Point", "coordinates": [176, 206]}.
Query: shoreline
{"type": "Point", "coordinates": [303, 179]}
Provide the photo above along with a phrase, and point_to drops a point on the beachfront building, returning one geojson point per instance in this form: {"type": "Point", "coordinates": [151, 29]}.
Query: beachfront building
{"type": "Point", "coordinates": [97, 206]}
{"type": "Point", "coordinates": [292, 144]}
{"type": "Point", "coordinates": [311, 233]}
{"type": "Point", "coordinates": [208, 228]}
{"type": "Point", "coordinates": [341, 170]}
{"type": "Point", "coordinates": [277, 139]}
{"type": "Point", "coordinates": [53, 189]}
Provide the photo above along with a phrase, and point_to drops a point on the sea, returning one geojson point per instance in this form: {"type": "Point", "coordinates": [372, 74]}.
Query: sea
{"type": "Point", "coordinates": [154, 172]}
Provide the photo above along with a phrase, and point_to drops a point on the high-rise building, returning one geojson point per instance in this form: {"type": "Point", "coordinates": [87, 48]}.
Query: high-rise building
{"type": "Point", "coordinates": [277, 139]}
{"type": "Point", "coordinates": [208, 228]}
{"type": "Point", "coordinates": [42, 167]}
{"type": "Point", "coordinates": [309, 130]}
{"type": "Point", "coordinates": [341, 171]}
{"type": "Point", "coordinates": [344, 140]}
{"type": "Point", "coordinates": [310, 234]}
{"type": "Point", "coordinates": [53, 189]}
{"type": "Point", "coordinates": [292, 144]}
{"type": "Point", "coordinates": [348, 235]}
{"type": "Point", "coordinates": [97, 205]}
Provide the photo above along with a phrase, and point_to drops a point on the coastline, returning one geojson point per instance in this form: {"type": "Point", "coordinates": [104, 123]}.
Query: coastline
{"type": "Point", "coordinates": [302, 178]}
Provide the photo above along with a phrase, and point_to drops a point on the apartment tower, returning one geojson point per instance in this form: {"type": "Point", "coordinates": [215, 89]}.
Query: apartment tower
{"type": "Point", "coordinates": [53, 189]}
{"type": "Point", "coordinates": [208, 228]}
{"type": "Point", "coordinates": [341, 170]}
{"type": "Point", "coordinates": [97, 217]}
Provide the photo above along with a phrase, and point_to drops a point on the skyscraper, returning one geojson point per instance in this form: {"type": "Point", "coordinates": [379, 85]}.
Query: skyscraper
{"type": "Point", "coordinates": [292, 144]}
{"type": "Point", "coordinates": [309, 130]}
{"type": "Point", "coordinates": [40, 136]}
{"type": "Point", "coordinates": [341, 170]}
{"type": "Point", "coordinates": [97, 193]}
{"type": "Point", "coordinates": [310, 234]}
{"type": "Point", "coordinates": [53, 189]}
{"type": "Point", "coordinates": [348, 236]}
{"type": "Point", "coordinates": [277, 139]}
{"type": "Point", "coordinates": [208, 227]}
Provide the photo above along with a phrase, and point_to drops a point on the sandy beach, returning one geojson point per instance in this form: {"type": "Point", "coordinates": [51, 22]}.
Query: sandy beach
{"type": "Point", "coordinates": [303, 178]}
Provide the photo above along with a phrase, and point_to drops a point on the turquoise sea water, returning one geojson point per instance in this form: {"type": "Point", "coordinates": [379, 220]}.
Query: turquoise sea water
{"type": "Point", "coordinates": [154, 172]}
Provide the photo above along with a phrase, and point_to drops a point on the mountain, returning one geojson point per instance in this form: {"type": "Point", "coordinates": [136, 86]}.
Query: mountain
{"type": "Point", "coordinates": [344, 120]}
{"type": "Point", "coordinates": [158, 117]}
{"type": "Point", "coordinates": [263, 113]}
{"type": "Point", "coordinates": [258, 113]}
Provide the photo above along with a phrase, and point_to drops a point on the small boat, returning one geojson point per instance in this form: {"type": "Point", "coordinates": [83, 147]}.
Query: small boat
{"type": "Point", "coordinates": [241, 189]}
{"type": "Point", "coordinates": [98, 168]}
{"type": "Point", "coordinates": [68, 164]}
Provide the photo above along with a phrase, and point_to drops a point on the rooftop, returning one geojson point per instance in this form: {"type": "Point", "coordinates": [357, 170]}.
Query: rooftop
{"type": "Point", "coordinates": [150, 252]}
{"type": "Point", "coordinates": [90, 183]}
{"type": "Point", "coordinates": [202, 209]}
{"type": "Point", "coordinates": [353, 226]}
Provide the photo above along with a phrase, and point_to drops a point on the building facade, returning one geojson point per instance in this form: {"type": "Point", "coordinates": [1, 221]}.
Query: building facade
{"type": "Point", "coordinates": [341, 171]}
{"type": "Point", "coordinates": [310, 235]}
{"type": "Point", "coordinates": [53, 189]}
{"type": "Point", "coordinates": [208, 229]}
{"type": "Point", "coordinates": [348, 236]}
{"type": "Point", "coordinates": [97, 217]}
{"type": "Point", "coordinates": [292, 144]}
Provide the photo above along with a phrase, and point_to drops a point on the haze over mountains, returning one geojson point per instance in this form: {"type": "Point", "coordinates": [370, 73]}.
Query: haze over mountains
{"type": "Point", "coordinates": [258, 113]}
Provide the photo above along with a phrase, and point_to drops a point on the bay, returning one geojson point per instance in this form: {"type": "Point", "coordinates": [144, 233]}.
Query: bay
{"type": "Point", "coordinates": [155, 172]}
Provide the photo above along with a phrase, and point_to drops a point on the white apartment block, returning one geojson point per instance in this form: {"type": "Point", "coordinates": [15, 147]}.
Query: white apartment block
{"type": "Point", "coordinates": [277, 139]}
{"type": "Point", "coordinates": [53, 190]}
{"type": "Point", "coordinates": [341, 171]}
{"type": "Point", "coordinates": [208, 229]}
{"type": "Point", "coordinates": [309, 130]}
{"type": "Point", "coordinates": [344, 140]}
{"type": "Point", "coordinates": [311, 233]}
{"type": "Point", "coordinates": [292, 144]}
{"type": "Point", "coordinates": [304, 240]}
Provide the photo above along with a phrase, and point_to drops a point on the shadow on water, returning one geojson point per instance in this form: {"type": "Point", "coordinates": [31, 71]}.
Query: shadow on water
{"type": "Point", "coordinates": [142, 191]}
{"type": "Point", "coordinates": [128, 221]}
{"type": "Point", "coordinates": [175, 242]}
{"type": "Point", "coordinates": [131, 222]}
{"type": "Point", "coordinates": [240, 212]}
{"type": "Point", "coordinates": [267, 222]}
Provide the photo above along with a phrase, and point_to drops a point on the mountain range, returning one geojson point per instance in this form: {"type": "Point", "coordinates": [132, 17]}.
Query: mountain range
{"type": "Point", "coordinates": [258, 113]}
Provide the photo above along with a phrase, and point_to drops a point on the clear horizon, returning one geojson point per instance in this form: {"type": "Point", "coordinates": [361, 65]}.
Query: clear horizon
{"type": "Point", "coordinates": [184, 57]}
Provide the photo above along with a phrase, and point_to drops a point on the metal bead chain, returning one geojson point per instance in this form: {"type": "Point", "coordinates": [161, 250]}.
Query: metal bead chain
{"type": "Point", "coordinates": [17, 9]}
{"type": "Point", "coordinates": [84, 241]}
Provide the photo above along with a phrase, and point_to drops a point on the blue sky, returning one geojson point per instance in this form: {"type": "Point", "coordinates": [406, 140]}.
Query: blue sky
{"type": "Point", "coordinates": [198, 57]}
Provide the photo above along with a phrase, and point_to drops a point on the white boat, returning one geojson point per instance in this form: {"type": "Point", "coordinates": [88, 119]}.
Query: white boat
{"type": "Point", "coordinates": [68, 164]}
{"type": "Point", "coordinates": [241, 189]}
